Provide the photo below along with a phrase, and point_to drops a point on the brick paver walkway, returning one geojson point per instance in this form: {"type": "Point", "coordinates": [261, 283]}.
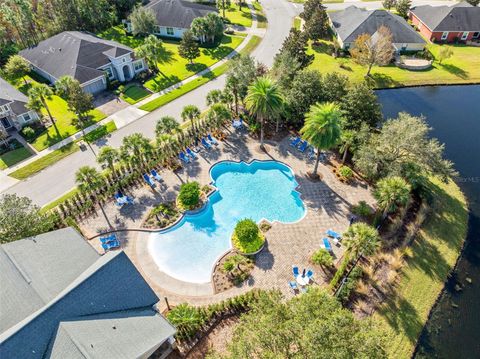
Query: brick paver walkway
{"type": "Point", "coordinates": [328, 202]}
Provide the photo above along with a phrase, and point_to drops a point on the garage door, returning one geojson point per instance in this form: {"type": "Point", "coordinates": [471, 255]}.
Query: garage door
{"type": "Point", "coordinates": [95, 87]}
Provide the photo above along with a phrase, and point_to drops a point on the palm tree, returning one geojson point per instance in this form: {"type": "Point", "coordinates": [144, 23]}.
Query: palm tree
{"type": "Point", "coordinates": [322, 128]}
{"type": "Point", "coordinates": [89, 181]}
{"type": "Point", "coordinates": [37, 98]}
{"type": "Point", "coordinates": [264, 100]}
{"type": "Point", "coordinates": [63, 86]}
{"type": "Point", "coordinates": [232, 87]}
{"type": "Point", "coordinates": [217, 115]}
{"type": "Point", "coordinates": [136, 148]}
{"type": "Point", "coordinates": [214, 96]}
{"type": "Point", "coordinates": [191, 113]}
{"type": "Point", "coordinates": [391, 193]}
{"type": "Point", "coordinates": [361, 239]}
{"type": "Point", "coordinates": [108, 156]}
{"type": "Point", "coordinates": [167, 125]}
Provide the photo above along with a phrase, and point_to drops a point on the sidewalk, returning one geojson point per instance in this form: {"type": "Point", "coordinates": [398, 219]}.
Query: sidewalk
{"type": "Point", "coordinates": [130, 113]}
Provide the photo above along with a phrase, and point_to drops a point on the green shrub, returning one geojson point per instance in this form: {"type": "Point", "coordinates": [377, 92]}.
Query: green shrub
{"type": "Point", "coordinates": [346, 172]}
{"type": "Point", "coordinates": [247, 237]}
{"type": "Point", "coordinates": [361, 209]}
{"type": "Point", "coordinates": [322, 257]}
{"type": "Point", "coordinates": [28, 132]}
{"type": "Point", "coordinates": [350, 284]}
{"type": "Point", "coordinates": [187, 319]}
{"type": "Point", "coordinates": [340, 271]}
{"type": "Point", "coordinates": [189, 195]}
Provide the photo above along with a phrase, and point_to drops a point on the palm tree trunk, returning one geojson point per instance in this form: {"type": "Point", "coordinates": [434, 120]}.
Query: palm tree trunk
{"type": "Point", "coordinates": [44, 102]}
{"type": "Point", "coordinates": [261, 134]}
{"type": "Point", "coordinates": [317, 161]}
{"type": "Point", "coordinates": [277, 125]}
{"type": "Point", "coordinates": [235, 95]}
{"type": "Point", "coordinates": [345, 151]}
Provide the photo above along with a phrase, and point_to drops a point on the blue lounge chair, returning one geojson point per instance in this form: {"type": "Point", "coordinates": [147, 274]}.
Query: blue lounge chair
{"type": "Point", "coordinates": [206, 144]}
{"type": "Point", "coordinates": [333, 234]}
{"type": "Point", "coordinates": [327, 245]}
{"type": "Point", "coordinates": [156, 176]}
{"type": "Point", "coordinates": [191, 154]}
{"type": "Point", "coordinates": [212, 140]}
{"type": "Point", "coordinates": [310, 274]}
{"type": "Point", "coordinates": [294, 286]}
{"type": "Point", "coordinates": [296, 273]}
{"type": "Point", "coordinates": [111, 245]}
{"type": "Point", "coordinates": [183, 157]}
{"type": "Point", "coordinates": [107, 239]}
{"type": "Point", "coordinates": [303, 146]}
{"type": "Point", "coordinates": [295, 141]}
{"type": "Point", "coordinates": [148, 179]}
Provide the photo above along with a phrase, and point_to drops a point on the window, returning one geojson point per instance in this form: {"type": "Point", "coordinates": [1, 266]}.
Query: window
{"type": "Point", "coordinates": [465, 35]}
{"type": "Point", "coordinates": [170, 31]}
{"type": "Point", "coordinates": [444, 35]}
{"type": "Point", "coordinates": [109, 72]}
{"type": "Point", "coordinates": [476, 35]}
{"type": "Point", "coordinates": [4, 108]}
{"type": "Point", "coordinates": [156, 29]}
{"type": "Point", "coordinates": [138, 65]}
{"type": "Point", "coordinates": [26, 117]}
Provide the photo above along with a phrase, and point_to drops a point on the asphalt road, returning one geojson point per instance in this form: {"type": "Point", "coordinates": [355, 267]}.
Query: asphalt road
{"type": "Point", "coordinates": [59, 178]}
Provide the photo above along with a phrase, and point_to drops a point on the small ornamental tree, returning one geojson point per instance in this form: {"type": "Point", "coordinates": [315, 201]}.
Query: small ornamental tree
{"type": "Point", "coordinates": [403, 6]}
{"type": "Point", "coordinates": [143, 20]}
{"type": "Point", "coordinates": [187, 319]}
{"type": "Point", "coordinates": [189, 195]}
{"type": "Point", "coordinates": [247, 237]}
{"type": "Point", "coordinates": [188, 48]}
{"type": "Point", "coordinates": [17, 67]}
{"type": "Point", "coordinates": [444, 54]}
{"type": "Point", "coordinates": [322, 258]}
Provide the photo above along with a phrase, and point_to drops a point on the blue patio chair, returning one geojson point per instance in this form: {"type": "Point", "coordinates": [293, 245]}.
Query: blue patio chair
{"type": "Point", "coordinates": [110, 238]}
{"type": "Point", "coordinates": [310, 274]}
{"type": "Point", "coordinates": [191, 154]}
{"type": "Point", "coordinates": [156, 176]}
{"type": "Point", "coordinates": [183, 157]}
{"type": "Point", "coordinates": [327, 245]}
{"type": "Point", "coordinates": [212, 140]}
{"type": "Point", "coordinates": [111, 245]}
{"type": "Point", "coordinates": [311, 153]}
{"type": "Point", "coordinates": [333, 234]}
{"type": "Point", "coordinates": [296, 273]}
{"type": "Point", "coordinates": [206, 144]}
{"type": "Point", "coordinates": [295, 141]}
{"type": "Point", "coordinates": [148, 179]}
{"type": "Point", "coordinates": [293, 286]}
{"type": "Point", "coordinates": [303, 146]}
{"type": "Point", "coordinates": [237, 124]}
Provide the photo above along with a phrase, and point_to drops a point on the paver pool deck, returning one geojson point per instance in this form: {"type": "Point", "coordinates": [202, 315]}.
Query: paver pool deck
{"type": "Point", "coordinates": [328, 205]}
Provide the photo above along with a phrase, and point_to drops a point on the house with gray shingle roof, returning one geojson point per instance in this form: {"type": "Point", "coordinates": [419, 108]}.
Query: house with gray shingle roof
{"type": "Point", "coordinates": [459, 22]}
{"type": "Point", "coordinates": [61, 299]}
{"type": "Point", "coordinates": [14, 113]}
{"type": "Point", "coordinates": [352, 22]}
{"type": "Point", "coordinates": [85, 57]}
{"type": "Point", "coordinates": [174, 17]}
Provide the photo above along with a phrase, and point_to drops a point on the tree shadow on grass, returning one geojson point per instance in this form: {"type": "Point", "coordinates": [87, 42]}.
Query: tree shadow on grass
{"type": "Point", "coordinates": [218, 52]}
{"type": "Point", "coordinates": [381, 80]}
{"type": "Point", "coordinates": [323, 47]}
{"type": "Point", "coordinates": [196, 67]}
{"type": "Point", "coordinates": [402, 316]}
{"type": "Point", "coordinates": [167, 57]}
{"type": "Point", "coordinates": [161, 83]}
{"type": "Point", "coordinates": [455, 70]}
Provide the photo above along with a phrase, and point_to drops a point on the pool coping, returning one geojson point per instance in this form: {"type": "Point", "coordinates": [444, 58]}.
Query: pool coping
{"type": "Point", "coordinates": [193, 289]}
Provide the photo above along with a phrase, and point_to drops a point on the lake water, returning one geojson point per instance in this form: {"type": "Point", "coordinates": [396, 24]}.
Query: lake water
{"type": "Point", "coordinates": [454, 114]}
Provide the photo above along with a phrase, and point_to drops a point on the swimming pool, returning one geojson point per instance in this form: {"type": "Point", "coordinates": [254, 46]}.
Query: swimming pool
{"type": "Point", "coordinates": [257, 190]}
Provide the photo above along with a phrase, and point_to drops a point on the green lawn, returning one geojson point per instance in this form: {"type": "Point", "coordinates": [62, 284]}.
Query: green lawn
{"type": "Point", "coordinates": [65, 119]}
{"type": "Point", "coordinates": [174, 68]}
{"type": "Point", "coordinates": [10, 158]}
{"type": "Point", "coordinates": [238, 17]}
{"type": "Point", "coordinates": [44, 162]}
{"type": "Point", "coordinates": [462, 67]}
{"type": "Point", "coordinates": [261, 18]}
{"type": "Point", "coordinates": [435, 252]}
{"type": "Point", "coordinates": [100, 132]}
{"type": "Point", "coordinates": [134, 94]}
{"type": "Point", "coordinates": [192, 85]}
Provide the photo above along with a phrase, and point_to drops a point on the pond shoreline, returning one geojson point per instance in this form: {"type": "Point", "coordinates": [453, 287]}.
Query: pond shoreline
{"type": "Point", "coordinates": [427, 85]}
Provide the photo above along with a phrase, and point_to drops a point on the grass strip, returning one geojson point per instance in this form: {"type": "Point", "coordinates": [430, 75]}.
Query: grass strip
{"type": "Point", "coordinates": [261, 18]}
{"type": "Point", "coordinates": [59, 200]}
{"type": "Point", "coordinates": [434, 254]}
{"type": "Point", "coordinates": [297, 22]}
{"type": "Point", "coordinates": [192, 85]}
{"type": "Point", "coordinates": [44, 162]}
{"type": "Point", "coordinates": [100, 132]}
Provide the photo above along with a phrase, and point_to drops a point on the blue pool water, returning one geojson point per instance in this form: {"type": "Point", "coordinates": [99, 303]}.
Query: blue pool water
{"type": "Point", "coordinates": [259, 190]}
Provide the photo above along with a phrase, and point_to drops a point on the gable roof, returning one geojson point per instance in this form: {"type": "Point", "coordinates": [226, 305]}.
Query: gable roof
{"type": "Point", "coordinates": [458, 17]}
{"type": "Point", "coordinates": [353, 22]}
{"type": "Point", "coordinates": [74, 53]}
{"type": "Point", "coordinates": [12, 96]}
{"type": "Point", "coordinates": [64, 283]}
{"type": "Point", "coordinates": [178, 13]}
